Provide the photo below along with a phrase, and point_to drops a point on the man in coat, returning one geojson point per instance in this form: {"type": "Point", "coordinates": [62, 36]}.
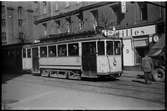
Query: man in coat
{"type": "Point", "coordinates": [147, 66]}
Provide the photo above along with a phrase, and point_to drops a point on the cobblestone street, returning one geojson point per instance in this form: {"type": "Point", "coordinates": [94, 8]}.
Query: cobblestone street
{"type": "Point", "coordinates": [29, 92]}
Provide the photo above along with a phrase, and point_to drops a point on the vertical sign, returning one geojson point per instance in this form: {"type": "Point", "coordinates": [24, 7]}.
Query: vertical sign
{"type": "Point", "coordinates": [123, 7]}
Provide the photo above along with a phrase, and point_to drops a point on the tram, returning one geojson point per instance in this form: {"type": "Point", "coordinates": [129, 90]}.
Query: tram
{"type": "Point", "coordinates": [91, 57]}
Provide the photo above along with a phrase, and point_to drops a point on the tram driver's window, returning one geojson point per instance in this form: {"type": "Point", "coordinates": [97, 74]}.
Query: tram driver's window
{"type": "Point", "coordinates": [29, 53]}
{"type": "Point", "coordinates": [43, 51]}
{"type": "Point", "coordinates": [24, 53]}
{"type": "Point", "coordinates": [62, 50]}
{"type": "Point", "coordinates": [52, 51]}
{"type": "Point", "coordinates": [109, 47]}
{"type": "Point", "coordinates": [117, 47]}
{"type": "Point", "coordinates": [100, 47]}
{"type": "Point", "coordinates": [73, 49]}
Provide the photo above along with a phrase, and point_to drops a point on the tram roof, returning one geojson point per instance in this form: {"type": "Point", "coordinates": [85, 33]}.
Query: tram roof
{"type": "Point", "coordinates": [74, 39]}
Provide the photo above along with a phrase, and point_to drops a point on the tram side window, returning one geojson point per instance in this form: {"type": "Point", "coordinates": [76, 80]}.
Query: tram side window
{"type": "Point", "coordinates": [52, 51]}
{"type": "Point", "coordinates": [73, 49]}
{"type": "Point", "coordinates": [43, 51]}
{"type": "Point", "coordinates": [24, 53]}
{"type": "Point", "coordinates": [109, 47]}
{"type": "Point", "coordinates": [117, 47]}
{"type": "Point", "coordinates": [62, 50]}
{"type": "Point", "coordinates": [29, 53]}
{"type": "Point", "coordinates": [101, 48]}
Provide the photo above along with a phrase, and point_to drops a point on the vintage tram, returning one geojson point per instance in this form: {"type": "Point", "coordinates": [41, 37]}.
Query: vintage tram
{"type": "Point", "coordinates": [90, 57]}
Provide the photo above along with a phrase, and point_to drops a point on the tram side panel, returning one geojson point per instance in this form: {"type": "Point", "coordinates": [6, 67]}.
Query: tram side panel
{"type": "Point", "coordinates": [109, 64]}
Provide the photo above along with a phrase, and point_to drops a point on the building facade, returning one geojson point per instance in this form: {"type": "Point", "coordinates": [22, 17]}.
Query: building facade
{"type": "Point", "coordinates": [17, 22]}
{"type": "Point", "coordinates": [141, 25]}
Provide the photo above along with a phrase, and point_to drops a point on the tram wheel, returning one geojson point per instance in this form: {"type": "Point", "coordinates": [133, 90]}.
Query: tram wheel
{"type": "Point", "coordinates": [158, 74]}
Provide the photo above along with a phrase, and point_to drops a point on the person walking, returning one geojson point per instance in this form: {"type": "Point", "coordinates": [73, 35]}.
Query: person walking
{"type": "Point", "coordinates": [147, 66]}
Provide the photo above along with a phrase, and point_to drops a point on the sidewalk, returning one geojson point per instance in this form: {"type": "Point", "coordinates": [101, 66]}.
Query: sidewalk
{"type": "Point", "coordinates": [132, 74]}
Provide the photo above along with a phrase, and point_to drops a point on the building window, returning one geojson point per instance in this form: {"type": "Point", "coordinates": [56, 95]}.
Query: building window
{"type": "Point", "coordinates": [95, 15]}
{"type": "Point", "coordinates": [20, 11]}
{"type": "Point", "coordinates": [143, 9]}
{"type": "Point", "coordinates": [43, 51]}
{"type": "Point", "coordinates": [101, 49]}
{"type": "Point", "coordinates": [80, 17]}
{"type": "Point", "coordinates": [52, 51]}
{"type": "Point", "coordinates": [44, 7]}
{"type": "Point", "coordinates": [20, 22]}
{"type": "Point", "coordinates": [21, 35]}
{"type": "Point", "coordinates": [29, 53]}
{"type": "Point", "coordinates": [117, 48]}
{"type": "Point", "coordinates": [3, 21]}
{"type": "Point", "coordinates": [24, 52]}
{"type": "Point", "coordinates": [3, 9]}
{"type": "Point", "coordinates": [109, 47]}
{"type": "Point", "coordinates": [62, 50]}
{"type": "Point", "coordinates": [3, 36]}
{"type": "Point", "coordinates": [45, 28]}
{"type": "Point", "coordinates": [68, 19]}
{"type": "Point", "coordinates": [58, 26]}
{"type": "Point", "coordinates": [73, 49]}
{"type": "Point", "coordinates": [67, 4]}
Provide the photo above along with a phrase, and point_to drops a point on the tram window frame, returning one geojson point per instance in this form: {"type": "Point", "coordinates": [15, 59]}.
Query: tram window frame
{"type": "Point", "coordinates": [107, 48]}
{"type": "Point", "coordinates": [54, 51]}
{"type": "Point", "coordinates": [118, 47]}
{"type": "Point", "coordinates": [28, 53]}
{"type": "Point", "coordinates": [72, 52]}
{"type": "Point", "coordinates": [45, 51]}
{"type": "Point", "coordinates": [24, 52]}
{"type": "Point", "coordinates": [101, 48]}
{"type": "Point", "coordinates": [62, 46]}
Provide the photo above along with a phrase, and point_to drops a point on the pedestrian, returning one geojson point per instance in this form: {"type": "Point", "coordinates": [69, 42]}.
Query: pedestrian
{"type": "Point", "coordinates": [147, 66]}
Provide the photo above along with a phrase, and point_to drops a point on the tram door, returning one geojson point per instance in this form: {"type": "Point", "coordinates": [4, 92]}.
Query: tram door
{"type": "Point", "coordinates": [35, 60]}
{"type": "Point", "coordinates": [89, 57]}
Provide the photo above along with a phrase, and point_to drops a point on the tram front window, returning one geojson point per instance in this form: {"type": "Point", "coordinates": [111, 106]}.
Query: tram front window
{"type": "Point", "coordinates": [24, 53]}
{"type": "Point", "coordinates": [117, 47]}
{"type": "Point", "coordinates": [29, 53]}
{"type": "Point", "coordinates": [109, 47]}
{"type": "Point", "coordinates": [100, 47]}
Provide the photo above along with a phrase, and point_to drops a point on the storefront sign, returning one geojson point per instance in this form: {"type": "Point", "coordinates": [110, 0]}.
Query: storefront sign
{"type": "Point", "coordinates": [146, 30]}
{"type": "Point", "coordinates": [138, 31]}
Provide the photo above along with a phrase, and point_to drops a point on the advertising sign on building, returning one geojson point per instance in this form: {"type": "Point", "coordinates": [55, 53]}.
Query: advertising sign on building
{"type": "Point", "coordinates": [123, 7]}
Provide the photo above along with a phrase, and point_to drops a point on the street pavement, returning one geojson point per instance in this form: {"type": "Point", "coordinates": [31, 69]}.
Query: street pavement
{"type": "Point", "coordinates": [29, 92]}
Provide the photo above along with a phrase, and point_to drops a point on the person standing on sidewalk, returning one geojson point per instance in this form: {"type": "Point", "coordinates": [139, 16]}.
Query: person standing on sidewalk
{"type": "Point", "coordinates": [147, 66]}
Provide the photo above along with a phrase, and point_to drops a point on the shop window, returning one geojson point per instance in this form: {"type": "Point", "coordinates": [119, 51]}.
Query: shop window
{"type": "Point", "coordinates": [101, 48]}
{"type": "Point", "coordinates": [62, 50]}
{"type": "Point", "coordinates": [117, 47]}
{"type": "Point", "coordinates": [109, 47]}
{"type": "Point", "coordinates": [73, 49]}
{"type": "Point", "coordinates": [24, 52]}
{"type": "Point", "coordinates": [29, 53]}
{"type": "Point", "coordinates": [52, 51]}
{"type": "Point", "coordinates": [43, 51]}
